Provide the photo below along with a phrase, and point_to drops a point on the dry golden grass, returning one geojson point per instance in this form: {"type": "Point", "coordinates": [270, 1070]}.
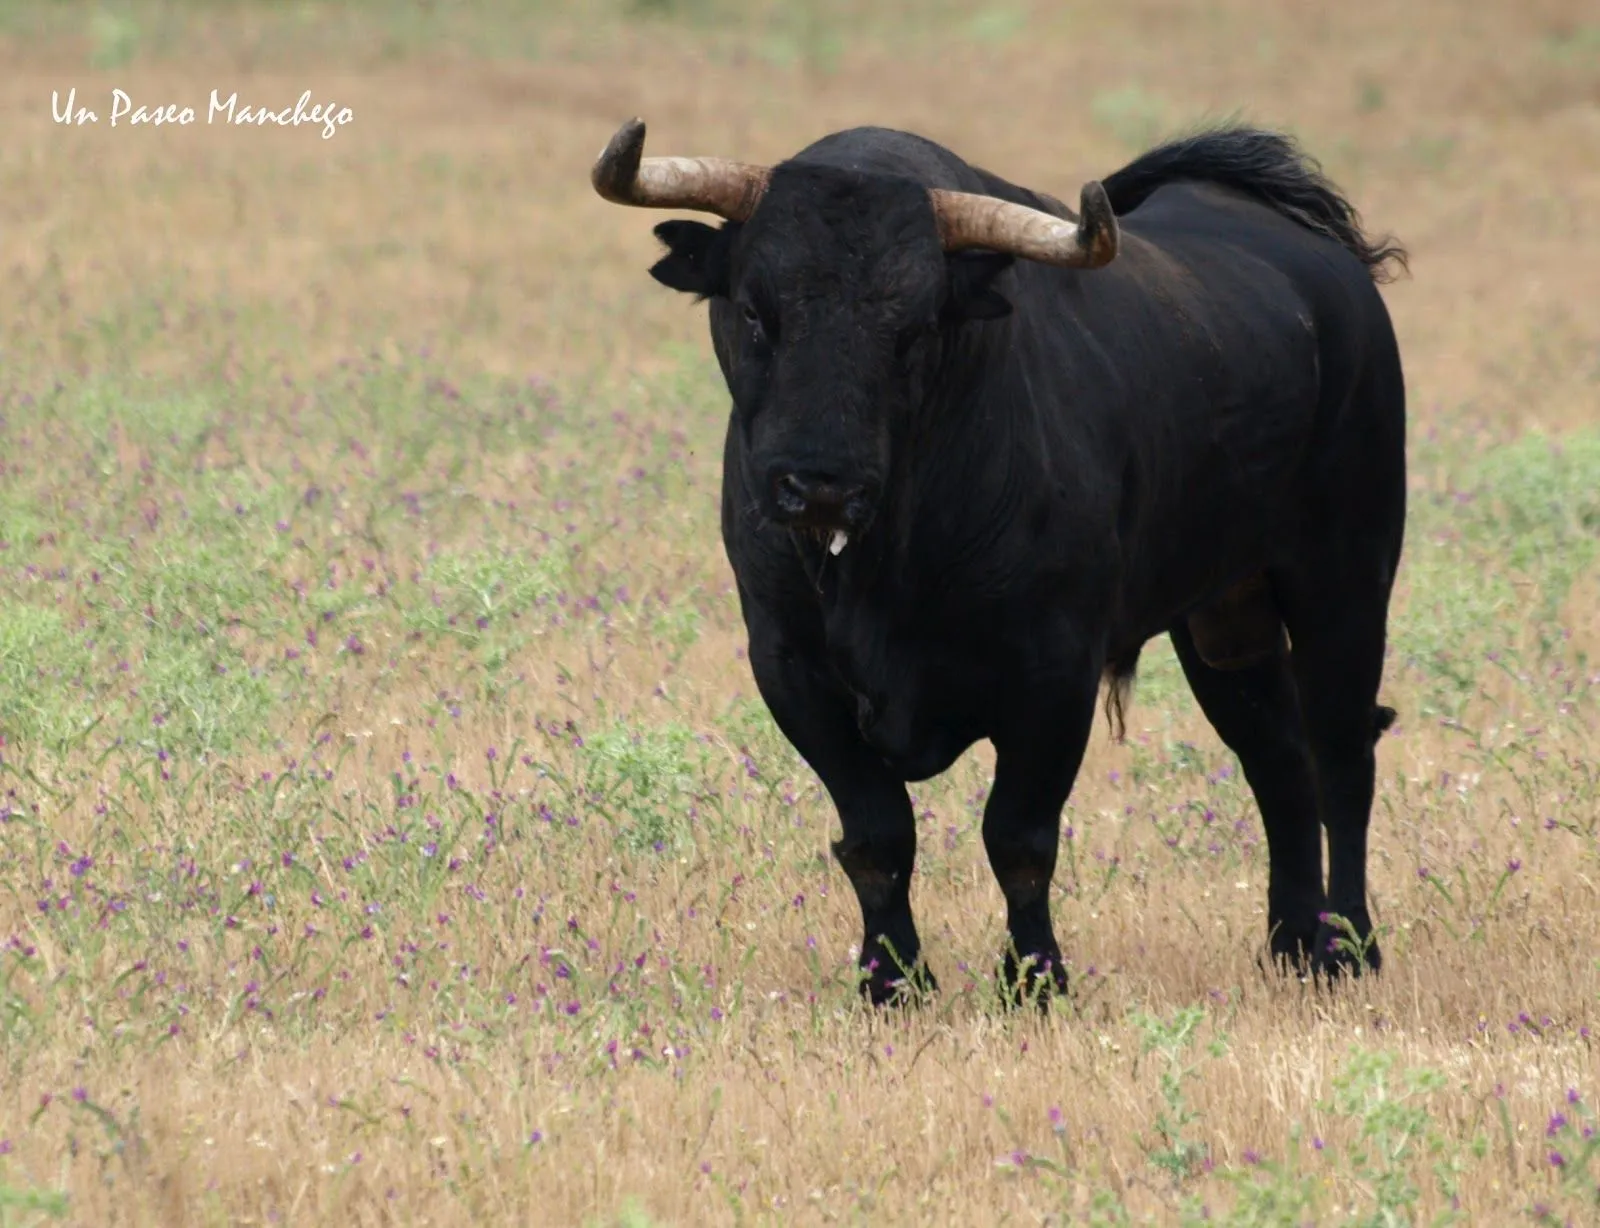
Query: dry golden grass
{"type": "Point", "coordinates": [193, 289]}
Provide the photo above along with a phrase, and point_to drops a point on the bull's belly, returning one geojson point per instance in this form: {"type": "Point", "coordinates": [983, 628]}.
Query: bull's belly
{"type": "Point", "coordinates": [1195, 552]}
{"type": "Point", "coordinates": [921, 756]}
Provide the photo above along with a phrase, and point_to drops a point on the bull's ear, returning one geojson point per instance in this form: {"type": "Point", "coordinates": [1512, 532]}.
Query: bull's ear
{"type": "Point", "coordinates": [696, 261]}
{"type": "Point", "coordinates": [972, 294]}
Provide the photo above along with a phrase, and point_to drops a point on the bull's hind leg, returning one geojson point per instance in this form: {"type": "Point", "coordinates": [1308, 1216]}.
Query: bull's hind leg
{"type": "Point", "coordinates": [1336, 618]}
{"type": "Point", "coordinates": [1239, 673]}
{"type": "Point", "coordinates": [1333, 592]}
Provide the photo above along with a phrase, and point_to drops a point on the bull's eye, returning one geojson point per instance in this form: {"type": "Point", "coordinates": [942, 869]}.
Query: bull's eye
{"type": "Point", "coordinates": [752, 320]}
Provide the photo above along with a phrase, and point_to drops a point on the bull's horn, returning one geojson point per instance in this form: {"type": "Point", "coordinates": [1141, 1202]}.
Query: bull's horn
{"type": "Point", "coordinates": [970, 220]}
{"type": "Point", "coordinates": [713, 185]}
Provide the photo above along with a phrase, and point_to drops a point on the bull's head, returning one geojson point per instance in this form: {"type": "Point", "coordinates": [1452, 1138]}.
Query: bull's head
{"type": "Point", "coordinates": [829, 301]}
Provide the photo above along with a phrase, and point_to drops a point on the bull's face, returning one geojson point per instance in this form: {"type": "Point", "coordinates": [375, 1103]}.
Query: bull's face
{"type": "Point", "coordinates": [827, 309]}
{"type": "Point", "coordinates": [831, 295]}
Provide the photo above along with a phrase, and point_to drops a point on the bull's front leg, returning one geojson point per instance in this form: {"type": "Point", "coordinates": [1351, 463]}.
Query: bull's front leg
{"type": "Point", "coordinates": [1036, 762]}
{"type": "Point", "coordinates": [879, 844]}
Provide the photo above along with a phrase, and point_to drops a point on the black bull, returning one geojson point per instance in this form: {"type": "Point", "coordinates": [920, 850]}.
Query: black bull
{"type": "Point", "coordinates": [981, 450]}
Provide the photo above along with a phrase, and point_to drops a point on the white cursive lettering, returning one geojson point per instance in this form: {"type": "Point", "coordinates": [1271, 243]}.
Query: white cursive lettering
{"type": "Point", "coordinates": [172, 113]}
{"type": "Point", "coordinates": [328, 116]}
{"type": "Point", "coordinates": [66, 115]}
{"type": "Point", "coordinates": [289, 117]}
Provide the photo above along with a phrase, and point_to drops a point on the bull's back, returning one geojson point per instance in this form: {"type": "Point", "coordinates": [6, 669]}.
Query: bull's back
{"type": "Point", "coordinates": [1230, 342]}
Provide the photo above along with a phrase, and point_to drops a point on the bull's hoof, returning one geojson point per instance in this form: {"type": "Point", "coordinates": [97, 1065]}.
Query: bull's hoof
{"type": "Point", "coordinates": [1292, 946]}
{"type": "Point", "coordinates": [1346, 950]}
{"type": "Point", "coordinates": [890, 986]}
{"type": "Point", "coordinates": [1033, 979]}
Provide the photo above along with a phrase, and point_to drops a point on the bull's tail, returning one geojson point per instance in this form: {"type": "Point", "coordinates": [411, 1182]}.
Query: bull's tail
{"type": "Point", "coordinates": [1269, 166]}
{"type": "Point", "coordinates": [1119, 674]}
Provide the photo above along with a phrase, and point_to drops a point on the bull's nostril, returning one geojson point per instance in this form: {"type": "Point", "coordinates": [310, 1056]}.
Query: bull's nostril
{"type": "Point", "coordinates": [791, 494]}
{"type": "Point", "coordinates": [857, 507]}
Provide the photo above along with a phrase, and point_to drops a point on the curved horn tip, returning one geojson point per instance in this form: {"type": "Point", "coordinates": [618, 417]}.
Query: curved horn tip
{"type": "Point", "coordinates": [1097, 225]}
{"type": "Point", "coordinates": [631, 132]}
{"type": "Point", "coordinates": [614, 170]}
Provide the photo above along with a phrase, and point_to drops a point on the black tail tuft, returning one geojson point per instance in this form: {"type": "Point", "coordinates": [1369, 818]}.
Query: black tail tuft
{"type": "Point", "coordinates": [1119, 675]}
{"type": "Point", "coordinates": [1270, 166]}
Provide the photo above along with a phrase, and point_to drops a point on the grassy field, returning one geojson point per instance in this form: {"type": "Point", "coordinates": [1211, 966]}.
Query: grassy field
{"type": "Point", "coordinates": [390, 829]}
